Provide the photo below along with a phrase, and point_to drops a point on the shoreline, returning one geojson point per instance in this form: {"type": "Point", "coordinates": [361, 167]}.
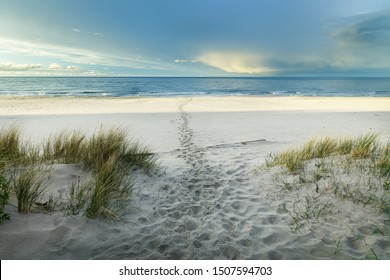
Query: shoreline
{"type": "Point", "coordinates": [103, 105]}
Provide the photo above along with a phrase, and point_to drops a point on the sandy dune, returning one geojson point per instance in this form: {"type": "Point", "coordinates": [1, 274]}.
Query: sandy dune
{"type": "Point", "coordinates": [205, 201]}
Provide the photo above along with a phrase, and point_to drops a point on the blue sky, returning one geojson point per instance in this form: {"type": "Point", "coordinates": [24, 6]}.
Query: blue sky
{"type": "Point", "coordinates": [195, 38]}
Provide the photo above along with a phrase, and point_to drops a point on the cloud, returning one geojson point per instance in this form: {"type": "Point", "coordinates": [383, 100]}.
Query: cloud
{"type": "Point", "coordinates": [362, 41]}
{"type": "Point", "coordinates": [56, 66]}
{"type": "Point", "coordinates": [185, 61]}
{"type": "Point", "coordinates": [365, 29]}
{"type": "Point", "coordinates": [87, 32]}
{"type": "Point", "coordinates": [232, 62]}
{"type": "Point", "coordinates": [355, 44]}
{"type": "Point", "coordinates": [10, 66]}
{"type": "Point", "coordinates": [78, 56]}
{"type": "Point", "coordinates": [72, 67]}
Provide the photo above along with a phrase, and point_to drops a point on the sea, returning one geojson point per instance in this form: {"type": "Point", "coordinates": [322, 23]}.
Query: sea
{"type": "Point", "coordinates": [192, 86]}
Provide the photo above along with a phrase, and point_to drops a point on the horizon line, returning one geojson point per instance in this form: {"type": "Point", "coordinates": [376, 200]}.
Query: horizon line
{"type": "Point", "coordinates": [189, 76]}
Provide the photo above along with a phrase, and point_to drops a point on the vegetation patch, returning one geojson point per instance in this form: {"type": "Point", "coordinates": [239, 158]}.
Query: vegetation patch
{"type": "Point", "coordinates": [358, 148]}
{"type": "Point", "coordinates": [29, 184]}
{"type": "Point", "coordinates": [4, 197]}
{"type": "Point", "coordinates": [335, 178]}
{"type": "Point", "coordinates": [108, 155]}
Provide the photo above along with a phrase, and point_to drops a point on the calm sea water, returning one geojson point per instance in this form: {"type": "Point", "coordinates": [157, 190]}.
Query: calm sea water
{"type": "Point", "coordinates": [130, 86]}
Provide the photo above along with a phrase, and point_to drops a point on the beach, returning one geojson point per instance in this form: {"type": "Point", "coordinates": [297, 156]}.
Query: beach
{"type": "Point", "coordinates": [211, 196]}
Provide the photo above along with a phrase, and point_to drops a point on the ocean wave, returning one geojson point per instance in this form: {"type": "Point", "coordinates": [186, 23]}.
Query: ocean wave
{"type": "Point", "coordinates": [290, 93]}
{"type": "Point", "coordinates": [382, 93]}
{"type": "Point", "coordinates": [131, 86]}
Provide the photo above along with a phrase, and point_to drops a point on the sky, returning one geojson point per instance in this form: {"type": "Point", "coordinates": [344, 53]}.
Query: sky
{"type": "Point", "coordinates": [334, 38]}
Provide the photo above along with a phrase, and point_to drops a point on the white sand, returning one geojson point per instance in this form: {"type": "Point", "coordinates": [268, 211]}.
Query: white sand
{"type": "Point", "coordinates": [205, 202]}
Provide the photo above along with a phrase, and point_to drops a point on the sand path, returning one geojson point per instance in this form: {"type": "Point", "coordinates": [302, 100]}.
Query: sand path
{"type": "Point", "coordinates": [206, 207]}
{"type": "Point", "coordinates": [210, 207]}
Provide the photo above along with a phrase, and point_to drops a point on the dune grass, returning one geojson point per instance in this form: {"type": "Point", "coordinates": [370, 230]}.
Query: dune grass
{"type": "Point", "coordinates": [4, 197]}
{"type": "Point", "coordinates": [383, 163]}
{"type": "Point", "coordinates": [66, 146]}
{"type": "Point", "coordinates": [111, 184]}
{"type": "Point", "coordinates": [108, 154]}
{"type": "Point", "coordinates": [29, 185]}
{"type": "Point", "coordinates": [113, 142]}
{"type": "Point", "coordinates": [10, 146]}
{"type": "Point", "coordinates": [10, 142]}
{"type": "Point", "coordinates": [77, 196]}
{"type": "Point", "coordinates": [358, 148]}
{"type": "Point", "coordinates": [75, 147]}
{"type": "Point", "coordinates": [335, 177]}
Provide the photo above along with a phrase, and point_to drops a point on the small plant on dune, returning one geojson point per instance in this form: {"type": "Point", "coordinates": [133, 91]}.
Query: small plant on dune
{"type": "Point", "coordinates": [293, 159]}
{"type": "Point", "coordinates": [338, 246]}
{"type": "Point", "coordinates": [107, 154]}
{"type": "Point", "coordinates": [30, 154]}
{"type": "Point", "coordinates": [285, 184]}
{"type": "Point", "coordinates": [307, 150]}
{"type": "Point", "coordinates": [4, 191]}
{"type": "Point", "coordinates": [66, 147]}
{"type": "Point", "coordinates": [13, 151]}
{"type": "Point", "coordinates": [308, 213]}
{"type": "Point", "coordinates": [386, 186]}
{"type": "Point", "coordinates": [29, 185]}
{"type": "Point", "coordinates": [364, 146]}
{"type": "Point", "coordinates": [9, 145]}
{"type": "Point", "coordinates": [383, 163]}
{"type": "Point", "coordinates": [113, 142]}
{"type": "Point", "coordinates": [332, 173]}
{"type": "Point", "coordinates": [318, 148]}
{"type": "Point", "coordinates": [75, 147]}
{"type": "Point", "coordinates": [103, 145]}
{"type": "Point", "coordinates": [383, 205]}
{"type": "Point", "coordinates": [110, 156]}
{"type": "Point", "coordinates": [384, 166]}
{"type": "Point", "coordinates": [345, 146]}
{"type": "Point", "coordinates": [111, 187]}
{"type": "Point", "coordinates": [79, 194]}
{"type": "Point", "coordinates": [10, 142]}
{"type": "Point", "coordinates": [140, 156]}
{"type": "Point", "coordinates": [325, 147]}
{"type": "Point", "coordinates": [4, 196]}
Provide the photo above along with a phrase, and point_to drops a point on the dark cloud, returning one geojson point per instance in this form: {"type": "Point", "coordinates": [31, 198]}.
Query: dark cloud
{"type": "Point", "coordinates": [368, 29]}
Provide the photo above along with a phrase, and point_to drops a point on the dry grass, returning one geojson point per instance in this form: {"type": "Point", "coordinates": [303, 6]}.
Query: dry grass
{"type": "Point", "coordinates": [66, 146]}
{"type": "Point", "coordinates": [4, 197]}
{"type": "Point", "coordinates": [111, 186]}
{"type": "Point", "coordinates": [78, 196]}
{"type": "Point", "coordinates": [108, 154]}
{"type": "Point", "coordinates": [330, 177]}
{"type": "Point", "coordinates": [383, 163]}
{"type": "Point", "coordinates": [292, 159]}
{"type": "Point", "coordinates": [29, 185]}
{"type": "Point", "coordinates": [10, 146]}
{"type": "Point", "coordinates": [113, 142]}
{"type": "Point", "coordinates": [364, 146]}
